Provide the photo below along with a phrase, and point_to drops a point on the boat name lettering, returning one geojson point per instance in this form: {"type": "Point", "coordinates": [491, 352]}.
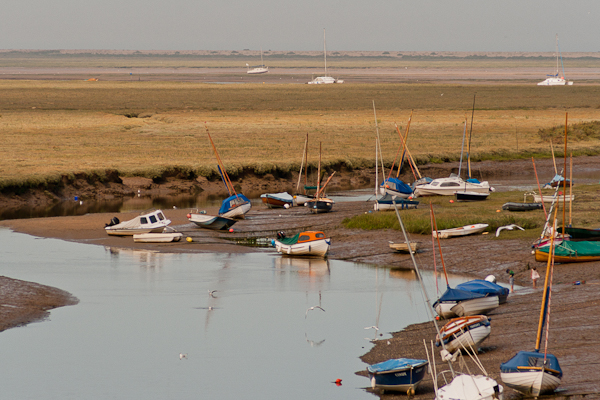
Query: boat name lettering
{"type": "Point", "coordinates": [400, 374]}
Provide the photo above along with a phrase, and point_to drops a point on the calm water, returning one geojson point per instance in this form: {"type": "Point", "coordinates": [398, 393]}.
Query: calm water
{"type": "Point", "coordinates": [139, 310]}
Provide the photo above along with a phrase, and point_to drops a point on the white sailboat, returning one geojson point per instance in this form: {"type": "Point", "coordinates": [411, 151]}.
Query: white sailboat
{"type": "Point", "coordinates": [324, 79]}
{"type": "Point", "coordinates": [258, 69]}
{"type": "Point", "coordinates": [556, 80]}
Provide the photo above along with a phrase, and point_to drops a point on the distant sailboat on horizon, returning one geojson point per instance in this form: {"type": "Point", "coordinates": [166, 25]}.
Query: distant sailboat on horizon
{"type": "Point", "coordinates": [258, 69]}
{"type": "Point", "coordinates": [556, 80]}
{"type": "Point", "coordinates": [324, 79]}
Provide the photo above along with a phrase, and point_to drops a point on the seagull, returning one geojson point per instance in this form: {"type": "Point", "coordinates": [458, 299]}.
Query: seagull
{"type": "Point", "coordinates": [508, 227]}
{"type": "Point", "coordinates": [182, 356]}
{"type": "Point", "coordinates": [211, 293]}
{"type": "Point", "coordinates": [312, 308]}
{"type": "Point", "coordinates": [372, 327]}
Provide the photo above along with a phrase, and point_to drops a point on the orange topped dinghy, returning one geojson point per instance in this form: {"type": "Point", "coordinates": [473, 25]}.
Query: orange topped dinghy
{"type": "Point", "coordinates": [308, 243]}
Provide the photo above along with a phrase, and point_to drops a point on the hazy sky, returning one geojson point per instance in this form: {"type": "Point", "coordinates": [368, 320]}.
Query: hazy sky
{"type": "Point", "coordinates": [397, 25]}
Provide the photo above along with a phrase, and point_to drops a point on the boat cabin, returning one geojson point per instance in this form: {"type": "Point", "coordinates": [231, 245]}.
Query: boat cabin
{"type": "Point", "coordinates": [309, 236]}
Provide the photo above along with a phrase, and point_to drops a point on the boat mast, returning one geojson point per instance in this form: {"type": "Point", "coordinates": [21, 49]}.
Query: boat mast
{"type": "Point", "coordinates": [325, 51]}
{"type": "Point", "coordinates": [261, 60]}
{"type": "Point", "coordinates": [470, 135]}
{"type": "Point", "coordinates": [302, 165]}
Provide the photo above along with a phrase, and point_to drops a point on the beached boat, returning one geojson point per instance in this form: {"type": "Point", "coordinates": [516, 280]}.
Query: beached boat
{"type": "Point", "coordinates": [320, 80]}
{"type": "Point", "coordinates": [395, 187]}
{"type": "Point", "coordinates": [301, 198]}
{"type": "Point", "coordinates": [236, 205]}
{"type": "Point", "coordinates": [397, 374]}
{"type": "Point", "coordinates": [308, 243]}
{"type": "Point", "coordinates": [386, 202]}
{"type": "Point", "coordinates": [149, 221]}
{"type": "Point", "coordinates": [485, 287]}
{"type": "Point", "coordinates": [449, 186]}
{"type": "Point", "coordinates": [471, 196]}
{"type": "Point", "coordinates": [213, 222]}
{"type": "Point", "coordinates": [460, 231]}
{"type": "Point", "coordinates": [320, 204]}
{"type": "Point", "coordinates": [162, 237]}
{"type": "Point", "coordinates": [582, 233]}
{"type": "Point", "coordinates": [258, 69]}
{"type": "Point", "coordinates": [510, 206]}
{"type": "Point", "coordinates": [482, 305]}
{"type": "Point", "coordinates": [277, 200]}
{"type": "Point", "coordinates": [403, 247]}
{"type": "Point", "coordinates": [555, 79]}
{"type": "Point", "coordinates": [570, 251]}
{"type": "Point", "coordinates": [471, 387]}
{"type": "Point", "coordinates": [534, 372]}
{"type": "Point", "coordinates": [464, 332]}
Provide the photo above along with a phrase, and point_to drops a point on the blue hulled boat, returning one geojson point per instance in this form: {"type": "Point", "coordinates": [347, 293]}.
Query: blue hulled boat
{"type": "Point", "coordinates": [399, 374]}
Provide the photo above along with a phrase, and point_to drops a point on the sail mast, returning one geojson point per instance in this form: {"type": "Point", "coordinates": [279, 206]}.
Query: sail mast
{"type": "Point", "coordinates": [325, 51]}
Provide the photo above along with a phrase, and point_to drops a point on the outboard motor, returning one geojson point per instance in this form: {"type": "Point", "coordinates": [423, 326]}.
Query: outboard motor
{"type": "Point", "coordinates": [280, 235]}
{"type": "Point", "coordinates": [113, 221]}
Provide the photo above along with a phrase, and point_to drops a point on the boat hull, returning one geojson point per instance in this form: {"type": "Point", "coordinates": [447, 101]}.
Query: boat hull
{"type": "Point", "coordinates": [279, 200]}
{"type": "Point", "coordinates": [238, 212]}
{"type": "Point", "coordinates": [314, 248]}
{"type": "Point", "coordinates": [471, 387]}
{"type": "Point", "coordinates": [404, 380]}
{"type": "Point", "coordinates": [481, 305]}
{"type": "Point", "coordinates": [403, 247]}
{"type": "Point", "coordinates": [465, 332]}
{"type": "Point", "coordinates": [165, 237]}
{"type": "Point", "coordinates": [319, 206]}
{"type": "Point", "coordinates": [133, 231]}
{"type": "Point", "coordinates": [211, 222]}
{"type": "Point", "coordinates": [522, 206]}
{"type": "Point", "coordinates": [449, 186]}
{"type": "Point", "coordinates": [300, 199]}
{"type": "Point", "coordinates": [461, 231]}
{"type": "Point", "coordinates": [471, 196]}
{"type": "Point", "coordinates": [444, 310]}
{"type": "Point", "coordinates": [532, 383]}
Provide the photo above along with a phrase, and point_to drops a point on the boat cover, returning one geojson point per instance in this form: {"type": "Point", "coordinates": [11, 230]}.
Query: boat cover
{"type": "Point", "coordinates": [395, 364]}
{"type": "Point", "coordinates": [457, 295]}
{"type": "Point", "coordinates": [283, 196]}
{"type": "Point", "coordinates": [473, 180]}
{"type": "Point", "coordinates": [530, 359]}
{"type": "Point", "coordinates": [397, 185]}
{"type": "Point", "coordinates": [289, 240]}
{"type": "Point", "coordinates": [483, 287]}
{"type": "Point", "coordinates": [232, 202]}
{"type": "Point", "coordinates": [581, 233]}
{"type": "Point", "coordinates": [389, 199]}
{"type": "Point", "coordinates": [574, 249]}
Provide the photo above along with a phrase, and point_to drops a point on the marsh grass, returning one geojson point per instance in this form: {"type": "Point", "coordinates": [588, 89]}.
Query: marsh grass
{"type": "Point", "coordinates": [52, 128]}
{"type": "Point", "coordinates": [585, 213]}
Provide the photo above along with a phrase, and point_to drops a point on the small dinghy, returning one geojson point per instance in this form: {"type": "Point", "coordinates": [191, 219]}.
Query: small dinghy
{"type": "Point", "coordinates": [163, 237]}
{"type": "Point", "coordinates": [468, 332]}
{"type": "Point", "coordinates": [277, 200]}
{"type": "Point", "coordinates": [461, 231]}
{"type": "Point", "coordinates": [403, 247]}
{"type": "Point", "coordinates": [398, 374]}
{"type": "Point", "coordinates": [308, 243]}
{"type": "Point", "coordinates": [213, 222]}
{"type": "Point", "coordinates": [522, 206]}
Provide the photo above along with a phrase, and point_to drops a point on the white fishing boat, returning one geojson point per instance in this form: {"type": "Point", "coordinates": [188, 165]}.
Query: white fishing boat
{"type": "Point", "coordinates": [468, 332]}
{"type": "Point", "coordinates": [161, 237]}
{"type": "Point", "coordinates": [150, 221]}
{"type": "Point", "coordinates": [556, 80]}
{"type": "Point", "coordinates": [309, 243]}
{"type": "Point", "coordinates": [449, 186]}
{"type": "Point", "coordinates": [460, 231]}
{"type": "Point", "coordinates": [320, 80]}
{"type": "Point", "coordinates": [258, 69]}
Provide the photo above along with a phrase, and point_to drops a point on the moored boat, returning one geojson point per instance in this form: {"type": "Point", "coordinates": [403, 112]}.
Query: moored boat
{"type": "Point", "coordinates": [213, 222]}
{"type": "Point", "coordinates": [161, 237]}
{"type": "Point", "coordinates": [443, 306]}
{"type": "Point", "coordinates": [482, 305]}
{"type": "Point", "coordinates": [398, 374]}
{"type": "Point", "coordinates": [486, 288]}
{"type": "Point", "coordinates": [147, 222]}
{"type": "Point", "coordinates": [510, 206]}
{"type": "Point", "coordinates": [235, 206]}
{"type": "Point", "coordinates": [386, 202]}
{"type": "Point", "coordinates": [396, 187]}
{"type": "Point", "coordinates": [321, 205]}
{"type": "Point", "coordinates": [277, 200]}
{"type": "Point", "coordinates": [468, 332]}
{"type": "Point", "coordinates": [570, 251]}
{"type": "Point", "coordinates": [308, 243]}
{"type": "Point", "coordinates": [403, 247]}
{"type": "Point", "coordinates": [532, 373]}
{"type": "Point", "coordinates": [449, 186]}
{"type": "Point", "coordinates": [460, 231]}
{"type": "Point", "coordinates": [471, 387]}
{"type": "Point", "coordinates": [582, 233]}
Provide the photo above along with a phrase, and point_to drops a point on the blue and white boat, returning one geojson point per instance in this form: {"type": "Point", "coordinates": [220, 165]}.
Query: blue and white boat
{"type": "Point", "coordinates": [398, 374]}
{"type": "Point", "coordinates": [396, 187]}
{"type": "Point", "coordinates": [235, 206]}
{"type": "Point", "coordinates": [459, 303]}
{"type": "Point", "coordinates": [386, 202]}
{"type": "Point", "coordinates": [486, 288]}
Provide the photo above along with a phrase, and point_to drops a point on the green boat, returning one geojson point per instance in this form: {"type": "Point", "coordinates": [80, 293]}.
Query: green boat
{"type": "Point", "coordinates": [570, 251]}
{"type": "Point", "coordinates": [582, 233]}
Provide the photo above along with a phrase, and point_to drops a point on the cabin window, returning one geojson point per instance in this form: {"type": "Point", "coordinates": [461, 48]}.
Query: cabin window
{"type": "Point", "coordinates": [434, 183]}
{"type": "Point", "coordinates": [153, 219]}
{"type": "Point", "coordinates": [446, 184]}
{"type": "Point", "coordinates": [143, 220]}
{"type": "Point", "coordinates": [303, 238]}
{"type": "Point", "coordinates": [160, 216]}
{"type": "Point", "coordinates": [320, 235]}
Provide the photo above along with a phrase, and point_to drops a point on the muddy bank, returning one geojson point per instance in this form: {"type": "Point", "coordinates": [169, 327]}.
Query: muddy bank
{"type": "Point", "coordinates": [26, 302]}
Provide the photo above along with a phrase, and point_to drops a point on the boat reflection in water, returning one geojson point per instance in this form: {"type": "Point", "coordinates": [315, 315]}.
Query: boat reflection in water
{"type": "Point", "coordinates": [303, 266]}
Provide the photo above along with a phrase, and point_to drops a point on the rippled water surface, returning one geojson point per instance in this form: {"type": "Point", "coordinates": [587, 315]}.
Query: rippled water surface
{"type": "Point", "coordinates": [139, 310]}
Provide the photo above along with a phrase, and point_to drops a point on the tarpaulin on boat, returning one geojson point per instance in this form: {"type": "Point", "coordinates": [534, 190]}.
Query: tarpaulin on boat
{"type": "Point", "coordinates": [530, 359]}
{"type": "Point", "coordinates": [397, 185]}
{"type": "Point", "coordinates": [395, 364]}
{"type": "Point", "coordinates": [483, 287]}
{"type": "Point", "coordinates": [289, 240]}
{"type": "Point", "coordinates": [232, 202]}
{"type": "Point", "coordinates": [457, 295]}
{"type": "Point", "coordinates": [574, 249]}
